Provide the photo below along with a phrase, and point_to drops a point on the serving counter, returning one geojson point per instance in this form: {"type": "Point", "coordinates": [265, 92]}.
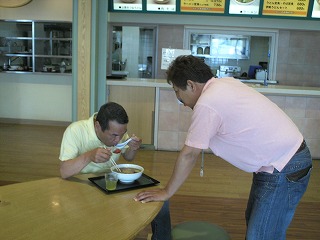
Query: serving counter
{"type": "Point", "coordinates": [171, 120]}
{"type": "Point", "coordinates": [274, 89]}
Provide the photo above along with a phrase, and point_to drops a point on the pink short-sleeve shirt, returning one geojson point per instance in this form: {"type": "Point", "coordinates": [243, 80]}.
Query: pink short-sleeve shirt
{"type": "Point", "coordinates": [243, 127]}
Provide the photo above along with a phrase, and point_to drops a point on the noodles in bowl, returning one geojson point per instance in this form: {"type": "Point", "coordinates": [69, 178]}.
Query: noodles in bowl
{"type": "Point", "coordinates": [129, 172]}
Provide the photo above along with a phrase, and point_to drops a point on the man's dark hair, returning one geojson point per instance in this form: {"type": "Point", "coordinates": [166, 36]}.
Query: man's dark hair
{"type": "Point", "coordinates": [188, 67]}
{"type": "Point", "coordinates": [111, 111]}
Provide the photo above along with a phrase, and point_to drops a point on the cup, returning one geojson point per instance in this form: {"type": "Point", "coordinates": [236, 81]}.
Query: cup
{"type": "Point", "coordinates": [111, 179]}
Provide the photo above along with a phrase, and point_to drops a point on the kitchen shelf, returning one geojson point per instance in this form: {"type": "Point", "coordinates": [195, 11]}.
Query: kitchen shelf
{"type": "Point", "coordinates": [54, 56]}
{"type": "Point", "coordinates": [35, 45]}
{"type": "Point", "coordinates": [18, 54]}
{"type": "Point", "coordinates": [219, 45]}
{"type": "Point", "coordinates": [18, 38]}
{"type": "Point", "coordinates": [203, 55]}
{"type": "Point", "coordinates": [200, 44]}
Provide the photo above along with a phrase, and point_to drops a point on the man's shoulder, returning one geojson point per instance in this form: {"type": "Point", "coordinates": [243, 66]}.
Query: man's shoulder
{"type": "Point", "coordinates": [82, 123]}
{"type": "Point", "coordinates": [81, 127]}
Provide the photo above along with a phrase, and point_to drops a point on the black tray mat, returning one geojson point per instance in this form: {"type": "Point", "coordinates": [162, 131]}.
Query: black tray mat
{"type": "Point", "coordinates": [142, 182]}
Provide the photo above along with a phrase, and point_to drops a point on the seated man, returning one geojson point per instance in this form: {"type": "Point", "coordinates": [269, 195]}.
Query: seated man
{"type": "Point", "coordinates": [86, 148]}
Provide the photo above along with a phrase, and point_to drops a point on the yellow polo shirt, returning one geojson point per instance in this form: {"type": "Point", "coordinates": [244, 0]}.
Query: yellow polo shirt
{"type": "Point", "coordinates": [80, 137]}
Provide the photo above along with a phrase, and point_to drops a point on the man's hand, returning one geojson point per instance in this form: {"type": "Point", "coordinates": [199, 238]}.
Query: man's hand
{"type": "Point", "coordinates": [135, 143]}
{"type": "Point", "coordinates": [153, 195]}
{"type": "Point", "coordinates": [73, 166]}
{"type": "Point", "coordinates": [100, 155]}
{"type": "Point", "coordinates": [184, 164]}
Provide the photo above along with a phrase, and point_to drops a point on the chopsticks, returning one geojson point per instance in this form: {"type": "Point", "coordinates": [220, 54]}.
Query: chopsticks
{"type": "Point", "coordinates": [113, 162]}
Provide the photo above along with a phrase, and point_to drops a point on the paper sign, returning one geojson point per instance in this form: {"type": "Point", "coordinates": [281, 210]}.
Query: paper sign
{"type": "Point", "coordinates": [169, 54]}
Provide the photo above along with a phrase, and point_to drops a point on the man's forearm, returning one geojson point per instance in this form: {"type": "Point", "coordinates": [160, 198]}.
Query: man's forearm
{"type": "Point", "coordinates": [72, 167]}
{"type": "Point", "coordinates": [184, 165]}
{"type": "Point", "coordinates": [129, 154]}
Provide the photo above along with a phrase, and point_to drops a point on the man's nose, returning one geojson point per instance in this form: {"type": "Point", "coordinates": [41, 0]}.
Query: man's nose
{"type": "Point", "coordinates": [117, 139]}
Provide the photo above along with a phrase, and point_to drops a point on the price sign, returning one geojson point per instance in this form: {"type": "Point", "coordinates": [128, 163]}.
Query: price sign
{"type": "Point", "coordinates": [161, 5]}
{"type": "Point", "coordinates": [207, 6]}
{"type": "Point", "coordinates": [292, 8]}
{"type": "Point", "coordinates": [127, 5]}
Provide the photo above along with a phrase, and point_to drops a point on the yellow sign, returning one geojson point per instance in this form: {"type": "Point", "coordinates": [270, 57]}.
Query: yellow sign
{"type": "Point", "coordinates": [292, 8]}
{"type": "Point", "coordinates": [209, 6]}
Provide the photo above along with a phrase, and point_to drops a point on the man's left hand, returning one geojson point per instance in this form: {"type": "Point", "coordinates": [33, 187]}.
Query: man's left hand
{"type": "Point", "coordinates": [135, 143]}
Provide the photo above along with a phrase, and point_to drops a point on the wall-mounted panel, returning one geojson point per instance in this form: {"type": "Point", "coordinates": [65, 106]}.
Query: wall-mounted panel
{"type": "Point", "coordinates": [290, 9]}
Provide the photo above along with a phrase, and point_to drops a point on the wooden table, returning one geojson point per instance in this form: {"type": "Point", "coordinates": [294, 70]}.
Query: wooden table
{"type": "Point", "coordinates": [71, 209]}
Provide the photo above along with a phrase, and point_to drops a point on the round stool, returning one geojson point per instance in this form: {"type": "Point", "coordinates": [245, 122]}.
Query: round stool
{"type": "Point", "coordinates": [199, 231]}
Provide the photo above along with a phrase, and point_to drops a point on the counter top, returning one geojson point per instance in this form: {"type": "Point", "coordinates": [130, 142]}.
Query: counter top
{"type": "Point", "coordinates": [270, 89]}
{"type": "Point", "coordinates": [139, 82]}
{"type": "Point", "coordinates": [287, 90]}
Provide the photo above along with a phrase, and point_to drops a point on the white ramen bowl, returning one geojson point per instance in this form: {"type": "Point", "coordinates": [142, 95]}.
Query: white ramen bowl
{"type": "Point", "coordinates": [125, 177]}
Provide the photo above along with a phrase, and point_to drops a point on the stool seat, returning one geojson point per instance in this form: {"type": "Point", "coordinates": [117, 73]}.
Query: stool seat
{"type": "Point", "coordinates": [197, 230]}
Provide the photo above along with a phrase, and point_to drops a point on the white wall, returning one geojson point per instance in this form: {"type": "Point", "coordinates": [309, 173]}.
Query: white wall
{"type": "Point", "coordinates": [37, 96]}
{"type": "Point", "coordinates": [56, 10]}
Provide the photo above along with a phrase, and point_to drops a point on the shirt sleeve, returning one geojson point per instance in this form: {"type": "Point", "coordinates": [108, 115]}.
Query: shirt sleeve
{"type": "Point", "coordinates": [205, 123]}
{"type": "Point", "coordinates": [69, 148]}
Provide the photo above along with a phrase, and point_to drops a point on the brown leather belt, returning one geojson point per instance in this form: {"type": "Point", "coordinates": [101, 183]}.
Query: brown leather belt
{"type": "Point", "coordinates": [302, 146]}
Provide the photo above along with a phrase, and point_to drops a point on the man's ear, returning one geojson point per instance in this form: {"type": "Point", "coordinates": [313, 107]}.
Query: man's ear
{"type": "Point", "coordinates": [96, 124]}
{"type": "Point", "coordinates": [192, 85]}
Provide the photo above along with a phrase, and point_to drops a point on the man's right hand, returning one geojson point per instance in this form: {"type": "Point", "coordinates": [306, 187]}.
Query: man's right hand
{"type": "Point", "coordinates": [72, 167]}
{"type": "Point", "coordinates": [100, 155]}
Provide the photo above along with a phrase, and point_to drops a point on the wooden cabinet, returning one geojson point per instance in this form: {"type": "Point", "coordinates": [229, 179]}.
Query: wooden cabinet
{"type": "Point", "coordinates": [139, 103]}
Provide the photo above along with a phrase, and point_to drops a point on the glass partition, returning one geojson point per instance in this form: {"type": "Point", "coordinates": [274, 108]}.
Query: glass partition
{"type": "Point", "coordinates": [32, 46]}
{"type": "Point", "coordinates": [234, 49]}
{"type": "Point", "coordinates": [132, 51]}
{"type": "Point", "coordinates": [220, 46]}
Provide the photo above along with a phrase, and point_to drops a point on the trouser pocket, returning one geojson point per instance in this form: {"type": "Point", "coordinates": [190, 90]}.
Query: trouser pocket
{"type": "Point", "coordinates": [294, 177]}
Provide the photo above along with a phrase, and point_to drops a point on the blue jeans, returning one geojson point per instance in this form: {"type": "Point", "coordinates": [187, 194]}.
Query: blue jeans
{"type": "Point", "coordinates": [161, 224]}
{"type": "Point", "coordinates": [274, 197]}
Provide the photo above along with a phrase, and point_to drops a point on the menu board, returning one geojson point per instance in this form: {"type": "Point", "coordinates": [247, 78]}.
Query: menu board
{"type": "Point", "coordinates": [205, 6]}
{"type": "Point", "coordinates": [256, 8]}
{"type": "Point", "coordinates": [292, 8]}
{"type": "Point", "coordinates": [247, 7]}
{"type": "Point", "coordinates": [161, 5]}
{"type": "Point", "coordinates": [316, 9]}
{"type": "Point", "coordinates": [127, 5]}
